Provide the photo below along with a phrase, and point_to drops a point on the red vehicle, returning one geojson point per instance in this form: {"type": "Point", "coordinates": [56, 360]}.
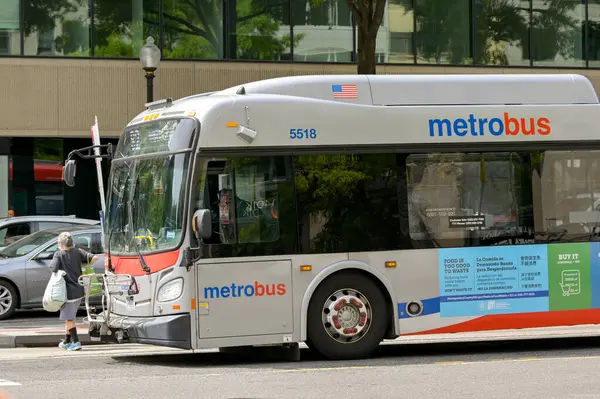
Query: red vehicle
{"type": "Point", "coordinates": [48, 188]}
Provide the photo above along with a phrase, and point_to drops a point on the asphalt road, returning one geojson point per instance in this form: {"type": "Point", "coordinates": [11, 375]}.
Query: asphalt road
{"type": "Point", "coordinates": [558, 368]}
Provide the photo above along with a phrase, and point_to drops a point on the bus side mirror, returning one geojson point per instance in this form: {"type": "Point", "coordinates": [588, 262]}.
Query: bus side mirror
{"type": "Point", "coordinates": [69, 173]}
{"type": "Point", "coordinates": [202, 224]}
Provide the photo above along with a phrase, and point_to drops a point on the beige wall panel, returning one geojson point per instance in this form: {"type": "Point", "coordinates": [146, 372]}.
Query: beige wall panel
{"type": "Point", "coordinates": [28, 97]}
{"type": "Point", "coordinates": [91, 90]}
{"type": "Point", "coordinates": [173, 80]}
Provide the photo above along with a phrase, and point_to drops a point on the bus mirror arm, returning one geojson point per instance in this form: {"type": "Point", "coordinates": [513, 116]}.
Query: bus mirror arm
{"type": "Point", "coordinates": [68, 173]}
{"type": "Point", "coordinates": [202, 224]}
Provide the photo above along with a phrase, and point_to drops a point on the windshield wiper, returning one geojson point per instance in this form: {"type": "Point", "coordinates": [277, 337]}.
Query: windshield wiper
{"type": "Point", "coordinates": [131, 227]}
{"type": "Point", "coordinates": [135, 243]}
{"type": "Point", "coordinates": [112, 230]}
{"type": "Point", "coordinates": [3, 255]}
{"type": "Point", "coordinates": [119, 211]}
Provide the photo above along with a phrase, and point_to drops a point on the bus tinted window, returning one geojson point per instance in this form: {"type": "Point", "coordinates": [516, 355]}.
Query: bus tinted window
{"type": "Point", "coordinates": [256, 202]}
{"type": "Point", "coordinates": [374, 202]}
{"type": "Point", "coordinates": [347, 202]}
{"type": "Point", "coordinates": [569, 195]}
{"type": "Point", "coordinates": [458, 200]}
{"type": "Point", "coordinates": [252, 206]}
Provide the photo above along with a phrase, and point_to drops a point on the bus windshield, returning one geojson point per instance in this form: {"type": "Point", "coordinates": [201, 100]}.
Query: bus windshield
{"type": "Point", "coordinates": [146, 196]}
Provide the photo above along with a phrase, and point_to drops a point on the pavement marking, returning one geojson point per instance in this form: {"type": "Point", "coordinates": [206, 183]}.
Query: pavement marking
{"type": "Point", "coordinates": [7, 383]}
{"type": "Point", "coordinates": [304, 370]}
{"type": "Point", "coordinates": [515, 360]}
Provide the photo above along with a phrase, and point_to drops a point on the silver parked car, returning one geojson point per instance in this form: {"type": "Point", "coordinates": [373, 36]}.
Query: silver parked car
{"type": "Point", "coordinates": [17, 227]}
{"type": "Point", "coordinates": [25, 266]}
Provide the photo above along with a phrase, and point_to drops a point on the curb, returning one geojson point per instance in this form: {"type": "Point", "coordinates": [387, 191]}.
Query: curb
{"type": "Point", "coordinates": [7, 341]}
{"type": "Point", "coordinates": [40, 341]}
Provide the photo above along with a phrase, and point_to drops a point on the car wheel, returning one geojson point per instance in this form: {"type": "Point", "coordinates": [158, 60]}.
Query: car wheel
{"type": "Point", "coordinates": [8, 299]}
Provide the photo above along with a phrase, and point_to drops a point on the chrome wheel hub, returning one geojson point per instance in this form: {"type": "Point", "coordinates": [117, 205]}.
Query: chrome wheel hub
{"type": "Point", "coordinates": [347, 316]}
{"type": "Point", "coordinates": [6, 300]}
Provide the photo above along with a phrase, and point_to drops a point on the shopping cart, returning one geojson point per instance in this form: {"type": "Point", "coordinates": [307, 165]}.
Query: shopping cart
{"type": "Point", "coordinates": [110, 285]}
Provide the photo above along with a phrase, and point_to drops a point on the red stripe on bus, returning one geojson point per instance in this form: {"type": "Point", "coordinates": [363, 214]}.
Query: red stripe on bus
{"type": "Point", "coordinates": [131, 264]}
{"type": "Point", "coordinates": [521, 320]}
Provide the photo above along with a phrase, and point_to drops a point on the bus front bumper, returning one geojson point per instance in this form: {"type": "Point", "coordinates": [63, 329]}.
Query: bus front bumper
{"type": "Point", "coordinates": [170, 330]}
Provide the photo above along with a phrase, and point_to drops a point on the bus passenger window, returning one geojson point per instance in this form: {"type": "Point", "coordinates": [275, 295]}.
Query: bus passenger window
{"type": "Point", "coordinates": [245, 198]}
{"type": "Point", "coordinates": [256, 203]}
{"type": "Point", "coordinates": [462, 200]}
{"type": "Point", "coordinates": [570, 196]}
{"type": "Point", "coordinates": [209, 197]}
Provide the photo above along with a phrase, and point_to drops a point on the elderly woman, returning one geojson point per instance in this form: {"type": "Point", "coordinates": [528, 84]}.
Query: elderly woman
{"type": "Point", "coordinates": [70, 260]}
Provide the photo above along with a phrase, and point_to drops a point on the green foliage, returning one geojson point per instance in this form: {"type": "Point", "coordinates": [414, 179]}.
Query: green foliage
{"type": "Point", "coordinates": [49, 149]}
{"type": "Point", "coordinates": [349, 194]}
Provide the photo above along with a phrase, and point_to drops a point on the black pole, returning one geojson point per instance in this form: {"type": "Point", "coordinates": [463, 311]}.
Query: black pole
{"type": "Point", "coordinates": [150, 84]}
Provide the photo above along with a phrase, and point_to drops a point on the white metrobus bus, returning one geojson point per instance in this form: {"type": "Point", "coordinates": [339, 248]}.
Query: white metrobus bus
{"type": "Point", "coordinates": [344, 210]}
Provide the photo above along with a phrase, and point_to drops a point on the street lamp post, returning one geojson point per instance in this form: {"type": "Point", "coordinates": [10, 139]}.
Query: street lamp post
{"type": "Point", "coordinates": [150, 58]}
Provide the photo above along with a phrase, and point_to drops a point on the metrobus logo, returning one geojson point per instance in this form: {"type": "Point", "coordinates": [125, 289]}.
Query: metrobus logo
{"type": "Point", "coordinates": [495, 126]}
{"type": "Point", "coordinates": [249, 290]}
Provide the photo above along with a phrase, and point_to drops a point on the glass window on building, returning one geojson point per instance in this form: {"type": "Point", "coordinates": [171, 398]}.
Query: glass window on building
{"type": "Point", "coordinates": [322, 33]}
{"type": "Point", "coordinates": [500, 32]}
{"type": "Point", "coordinates": [47, 168]}
{"type": "Point", "coordinates": [56, 28]}
{"type": "Point", "coordinates": [260, 30]}
{"type": "Point", "coordinates": [10, 40]}
{"type": "Point", "coordinates": [472, 32]}
{"type": "Point", "coordinates": [193, 29]}
{"type": "Point", "coordinates": [443, 31]}
{"type": "Point", "coordinates": [593, 29]}
{"type": "Point", "coordinates": [557, 33]}
{"type": "Point", "coordinates": [121, 27]}
{"type": "Point", "coordinates": [400, 31]}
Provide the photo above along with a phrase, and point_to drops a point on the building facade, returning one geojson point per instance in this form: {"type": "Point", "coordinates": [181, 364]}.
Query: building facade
{"type": "Point", "coordinates": [64, 61]}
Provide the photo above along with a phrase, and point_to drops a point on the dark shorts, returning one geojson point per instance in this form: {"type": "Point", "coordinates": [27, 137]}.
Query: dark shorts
{"type": "Point", "coordinates": [69, 310]}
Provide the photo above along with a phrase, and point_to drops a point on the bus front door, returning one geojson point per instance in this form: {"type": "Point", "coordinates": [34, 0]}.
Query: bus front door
{"type": "Point", "coordinates": [238, 299]}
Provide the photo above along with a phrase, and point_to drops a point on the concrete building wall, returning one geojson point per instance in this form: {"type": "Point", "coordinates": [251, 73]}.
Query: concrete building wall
{"type": "Point", "coordinates": [59, 97]}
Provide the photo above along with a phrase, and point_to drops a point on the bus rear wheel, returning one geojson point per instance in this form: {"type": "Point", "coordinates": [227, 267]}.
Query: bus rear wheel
{"type": "Point", "coordinates": [347, 317]}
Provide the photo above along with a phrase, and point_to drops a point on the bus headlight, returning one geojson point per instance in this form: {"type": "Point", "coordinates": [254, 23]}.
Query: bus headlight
{"type": "Point", "coordinates": [170, 291]}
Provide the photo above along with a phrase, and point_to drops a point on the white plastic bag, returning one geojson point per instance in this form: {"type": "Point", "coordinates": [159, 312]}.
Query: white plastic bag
{"type": "Point", "coordinates": [56, 292]}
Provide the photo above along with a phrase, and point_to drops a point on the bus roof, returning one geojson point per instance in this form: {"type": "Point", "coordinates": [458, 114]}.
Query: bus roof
{"type": "Point", "coordinates": [433, 89]}
{"type": "Point", "coordinates": [347, 110]}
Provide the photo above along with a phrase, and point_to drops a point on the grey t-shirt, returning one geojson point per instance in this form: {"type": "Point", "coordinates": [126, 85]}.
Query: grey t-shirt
{"type": "Point", "coordinates": [71, 261]}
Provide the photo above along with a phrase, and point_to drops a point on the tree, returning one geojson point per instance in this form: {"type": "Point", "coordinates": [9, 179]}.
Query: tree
{"type": "Point", "coordinates": [368, 15]}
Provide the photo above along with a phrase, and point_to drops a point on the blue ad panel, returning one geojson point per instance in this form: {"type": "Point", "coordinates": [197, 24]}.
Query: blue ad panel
{"type": "Point", "coordinates": [493, 280]}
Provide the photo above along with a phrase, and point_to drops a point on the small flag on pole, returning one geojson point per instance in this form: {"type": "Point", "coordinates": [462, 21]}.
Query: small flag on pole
{"type": "Point", "coordinates": [344, 91]}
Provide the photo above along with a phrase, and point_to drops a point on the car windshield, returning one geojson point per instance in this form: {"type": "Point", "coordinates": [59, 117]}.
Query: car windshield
{"type": "Point", "coordinates": [27, 245]}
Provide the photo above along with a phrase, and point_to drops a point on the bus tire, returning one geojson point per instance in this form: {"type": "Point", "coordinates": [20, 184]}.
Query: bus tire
{"type": "Point", "coordinates": [347, 317]}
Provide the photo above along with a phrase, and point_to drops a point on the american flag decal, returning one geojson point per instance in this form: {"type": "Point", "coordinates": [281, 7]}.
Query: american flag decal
{"type": "Point", "coordinates": [344, 91]}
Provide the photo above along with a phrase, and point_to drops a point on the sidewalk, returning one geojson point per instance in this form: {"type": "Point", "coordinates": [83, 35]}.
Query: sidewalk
{"type": "Point", "coordinates": [50, 335]}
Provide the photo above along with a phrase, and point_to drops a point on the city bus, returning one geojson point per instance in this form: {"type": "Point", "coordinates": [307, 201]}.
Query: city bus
{"type": "Point", "coordinates": [340, 211]}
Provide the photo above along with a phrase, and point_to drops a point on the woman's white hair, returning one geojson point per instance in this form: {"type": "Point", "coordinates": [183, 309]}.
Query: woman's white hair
{"type": "Point", "coordinates": [65, 240]}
